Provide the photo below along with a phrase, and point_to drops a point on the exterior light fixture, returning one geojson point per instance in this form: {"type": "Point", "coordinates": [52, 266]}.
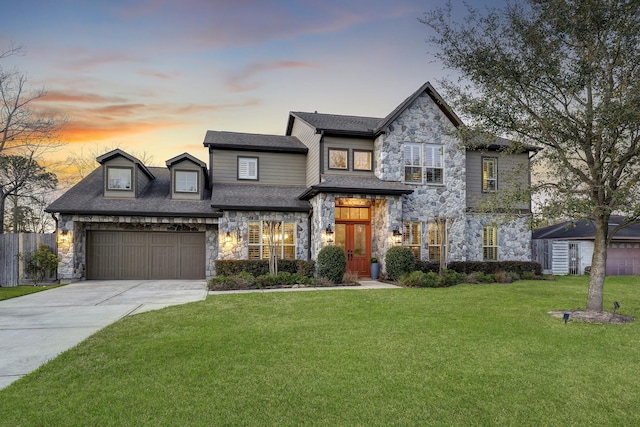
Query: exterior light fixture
{"type": "Point", "coordinates": [565, 317]}
{"type": "Point", "coordinates": [227, 238]}
{"type": "Point", "coordinates": [397, 235]}
{"type": "Point", "coordinates": [329, 233]}
{"type": "Point", "coordinates": [63, 236]}
{"type": "Point", "coordinates": [616, 305]}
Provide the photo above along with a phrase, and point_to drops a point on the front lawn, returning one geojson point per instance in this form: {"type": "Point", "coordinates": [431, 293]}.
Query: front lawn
{"type": "Point", "coordinates": [18, 291]}
{"type": "Point", "coordinates": [465, 355]}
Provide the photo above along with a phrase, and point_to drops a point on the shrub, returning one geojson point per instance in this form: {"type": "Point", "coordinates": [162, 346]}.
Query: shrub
{"type": "Point", "coordinates": [503, 277]}
{"type": "Point", "coordinates": [399, 261]}
{"type": "Point", "coordinates": [260, 267]}
{"type": "Point", "coordinates": [41, 263]}
{"type": "Point", "coordinates": [418, 279]}
{"type": "Point", "coordinates": [451, 278]}
{"type": "Point", "coordinates": [491, 267]}
{"type": "Point", "coordinates": [222, 283]}
{"type": "Point", "coordinates": [332, 263]}
{"type": "Point", "coordinates": [527, 275]}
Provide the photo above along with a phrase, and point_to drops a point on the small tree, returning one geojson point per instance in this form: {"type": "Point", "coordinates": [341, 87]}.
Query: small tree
{"type": "Point", "coordinates": [41, 263]}
{"type": "Point", "coordinates": [332, 263]}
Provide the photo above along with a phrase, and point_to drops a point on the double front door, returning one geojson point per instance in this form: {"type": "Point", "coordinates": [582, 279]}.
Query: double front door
{"type": "Point", "coordinates": [355, 239]}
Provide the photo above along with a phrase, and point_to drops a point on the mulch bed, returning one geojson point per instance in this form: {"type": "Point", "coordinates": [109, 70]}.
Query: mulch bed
{"type": "Point", "coordinates": [593, 316]}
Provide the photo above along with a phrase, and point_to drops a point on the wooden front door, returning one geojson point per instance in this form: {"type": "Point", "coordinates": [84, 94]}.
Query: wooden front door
{"type": "Point", "coordinates": [355, 239]}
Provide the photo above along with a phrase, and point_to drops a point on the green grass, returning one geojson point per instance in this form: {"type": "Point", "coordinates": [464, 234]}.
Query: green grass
{"type": "Point", "coordinates": [466, 355]}
{"type": "Point", "coordinates": [18, 291]}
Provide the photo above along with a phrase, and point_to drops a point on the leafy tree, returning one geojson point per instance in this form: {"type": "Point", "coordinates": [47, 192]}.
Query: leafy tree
{"type": "Point", "coordinates": [563, 75]}
{"type": "Point", "coordinates": [21, 176]}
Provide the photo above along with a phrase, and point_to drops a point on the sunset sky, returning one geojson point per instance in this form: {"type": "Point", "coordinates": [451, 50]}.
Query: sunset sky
{"type": "Point", "coordinates": [153, 76]}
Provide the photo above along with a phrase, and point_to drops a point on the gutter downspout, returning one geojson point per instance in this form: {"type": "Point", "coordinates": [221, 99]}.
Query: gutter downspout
{"type": "Point", "coordinates": [309, 217]}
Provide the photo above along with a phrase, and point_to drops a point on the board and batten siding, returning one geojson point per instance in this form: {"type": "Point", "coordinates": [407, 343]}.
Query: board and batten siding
{"type": "Point", "coordinates": [349, 144]}
{"type": "Point", "coordinates": [308, 136]}
{"type": "Point", "coordinates": [273, 168]}
{"type": "Point", "coordinates": [512, 168]}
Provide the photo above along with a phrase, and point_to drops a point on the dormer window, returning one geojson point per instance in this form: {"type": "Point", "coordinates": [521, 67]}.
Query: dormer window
{"type": "Point", "coordinates": [248, 168]}
{"type": "Point", "coordinates": [186, 181]}
{"type": "Point", "coordinates": [119, 178]}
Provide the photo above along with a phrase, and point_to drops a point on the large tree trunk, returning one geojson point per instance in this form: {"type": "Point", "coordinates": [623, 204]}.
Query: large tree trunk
{"type": "Point", "coordinates": [598, 264]}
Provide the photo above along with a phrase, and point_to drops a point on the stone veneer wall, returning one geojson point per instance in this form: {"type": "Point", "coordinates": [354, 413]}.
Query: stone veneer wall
{"type": "Point", "coordinates": [514, 237]}
{"type": "Point", "coordinates": [73, 254]}
{"type": "Point", "coordinates": [424, 122]}
{"type": "Point", "coordinates": [323, 206]}
{"type": "Point", "coordinates": [236, 223]}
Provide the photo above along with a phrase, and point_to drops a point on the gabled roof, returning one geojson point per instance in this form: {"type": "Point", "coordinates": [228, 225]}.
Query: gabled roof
{"type": "Point", "coordinates": [354, 184]}
{"type": "Point", "coordinates": [186, 156]}
{"type": "Point", "coordinates": [435, 96]}
{"type": "Point", "coordinates": [86, 198]}
{"type": "Point", "coordinates": [584, 229]}
{"type": "Point", "coordinates": [335, 124]}
{"type": "Point", "coordinates": [244, 197]}
{"type": "Point", "coordinates": [251, 141]}
{"type": "Point", "coordinates": [119, 153]}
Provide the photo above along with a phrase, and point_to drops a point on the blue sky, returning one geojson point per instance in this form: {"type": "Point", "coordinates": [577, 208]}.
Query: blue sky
{"type": "Point", "coordinates": [154, 76]}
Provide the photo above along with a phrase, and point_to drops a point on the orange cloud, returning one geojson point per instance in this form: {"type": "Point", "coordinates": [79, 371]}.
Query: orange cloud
{"type": "Point", "coordinates": [75, 96]}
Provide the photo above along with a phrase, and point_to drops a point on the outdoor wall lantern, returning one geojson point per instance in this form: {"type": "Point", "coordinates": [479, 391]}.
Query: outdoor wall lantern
{"type": "Point", "coordinates": [329, 232]}
{"type": "Point", "coordinates": [63, 236]}
{"type": "Point", "coordinates": [397, 235]}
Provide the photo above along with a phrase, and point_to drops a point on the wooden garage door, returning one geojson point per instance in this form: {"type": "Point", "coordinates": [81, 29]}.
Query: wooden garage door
{"type": "Point", "coordinates": [145, 255]}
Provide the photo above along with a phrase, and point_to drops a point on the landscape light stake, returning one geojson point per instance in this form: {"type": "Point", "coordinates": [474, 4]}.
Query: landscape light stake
{"type": "Point", "coordinates": [565, 317]}
{"type": "Point", "coordinates": [616, 306]}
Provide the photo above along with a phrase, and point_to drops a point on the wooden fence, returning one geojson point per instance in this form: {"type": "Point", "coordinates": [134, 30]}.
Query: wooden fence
{"type": "Point", "coordinates": [11, 246]}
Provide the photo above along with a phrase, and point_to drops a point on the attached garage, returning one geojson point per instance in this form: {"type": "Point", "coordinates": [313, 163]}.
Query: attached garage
{"type": "Point", "coordinates": [121, 255]}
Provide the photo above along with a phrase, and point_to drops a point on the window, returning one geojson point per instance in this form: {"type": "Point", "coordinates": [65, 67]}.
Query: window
{"type": "Point", "coordinates": [413, 163]}
{"type": "Point", "coordinates": [280, 234]}
{"type": "Point", "coordinates": [362, 160]}
{"type": "Point", "coordinates": [248, 168]}
{"type": "Point", "coordinates": [411, 237]}
{"type": "Point", "coordinates": [119, 178]}
{"type": "Point", "coordinates": [186, 181]}
{"type": "Point", "coordinates": [490, 242]}
{"type": "Point", "coordinates": [338, 159]}
{"type": "Point", "coordinates": [434, 171]}
{"type": "Point", "coordinates": [437, 239]}
{"type": "Point", "coordinates": [489, 174]}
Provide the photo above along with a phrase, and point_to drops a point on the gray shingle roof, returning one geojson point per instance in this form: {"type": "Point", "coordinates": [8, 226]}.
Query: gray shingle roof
{"type": "Point", "coordinates": [339, 123]}
{"type": "Point", "coordinates": [355, 184]}
{"type": "Point", "coordinates": [258, 197]}
{"type": "Point", "coordinates": [86, 198]}
{"type": "Point", "coordinates": [585, 229]}
{"type": "Point", "coordinates": [253, 141]}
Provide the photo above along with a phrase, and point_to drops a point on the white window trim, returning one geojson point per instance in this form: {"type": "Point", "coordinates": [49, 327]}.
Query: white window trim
{"type": "Point", "coordinates": [187, 174]}
{"type": "Point", "coordinates": [490, 242]}
{"type": "Point", "coordinates": [433, 161]}
{"type": "Point", "coordinates": [409, 237]}
{"type": "Point", "coordinates": [411, 147]}
{"type": "Point", "coordinates": [109, 179]}
{"type": "Point", "coordinates": [433, 230]}
{"type": "Point", "coordinates": [248, 168]}
{"type": "Point", "coordinates": [493, 178]}
{"type": "Point", "coordinates": [263, 246]}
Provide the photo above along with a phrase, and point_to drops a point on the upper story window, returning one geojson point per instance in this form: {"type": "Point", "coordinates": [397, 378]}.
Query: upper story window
{"type": "Point", "coordinates": [362, 160]}
{"type": "Point", "coordinates": [186, 181]}
{"type": "Point", "coordinates": [248, 168]}
{"type": "Point", "coordinates": [338, 159]}
{"type": "Point", "coordinates": [413, 163]}
{"type": "Point", "coordinates": [119, 178]}
{"type": "Point", "coordinates": [434, 164]}
{"type": "Point", "coordinates": [489, 174]}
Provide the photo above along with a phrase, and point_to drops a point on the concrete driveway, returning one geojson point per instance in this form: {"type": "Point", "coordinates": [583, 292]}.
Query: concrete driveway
{"type": "Point", "coordinates": [37, 327]}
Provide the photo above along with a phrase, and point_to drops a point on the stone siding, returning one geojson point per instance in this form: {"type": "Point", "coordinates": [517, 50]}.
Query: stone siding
{"type": "Point", "coordinates": [73, 254]}
{"type": "Point", "coordinates": [514, 237]}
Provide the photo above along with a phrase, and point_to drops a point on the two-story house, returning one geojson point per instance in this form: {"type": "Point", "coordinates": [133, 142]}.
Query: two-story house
{"type": "Point", "coordinates": [362, 183]}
